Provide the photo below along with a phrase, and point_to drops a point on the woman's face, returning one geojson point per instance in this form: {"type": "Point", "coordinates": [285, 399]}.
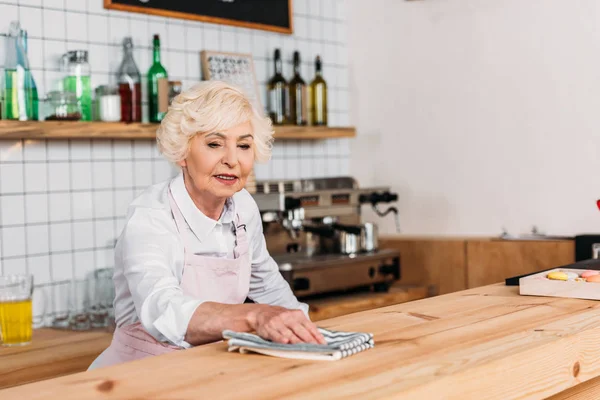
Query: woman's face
{"type": "Point", "coordinates": [219, 163]}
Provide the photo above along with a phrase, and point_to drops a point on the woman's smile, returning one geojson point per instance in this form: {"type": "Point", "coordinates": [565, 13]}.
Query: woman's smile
{"type": "Point", "coordinates": [227, 179]}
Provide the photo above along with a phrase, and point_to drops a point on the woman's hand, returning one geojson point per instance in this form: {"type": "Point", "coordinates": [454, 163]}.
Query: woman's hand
{"type": "Point", "coordinates": [281, 325]}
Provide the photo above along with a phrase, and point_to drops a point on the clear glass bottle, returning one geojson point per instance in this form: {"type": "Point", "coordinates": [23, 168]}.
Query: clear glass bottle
{"type": "Point", "coordinates": [318, 94]}
{"type": "Point", "coordinates": [278, 92]}
{"type": "Point", "coordinates": [298, 98]}
{"type": "Point", "coordinates": [34, 92]}
{"type": "Point", "coordinates": [19, 87]}
{"type": "Point", "coordinates": [130, 88]}
{"type": "Point", "coordinates": [77, 80]}
{"type": "Point", "coordinates": [158, 85]}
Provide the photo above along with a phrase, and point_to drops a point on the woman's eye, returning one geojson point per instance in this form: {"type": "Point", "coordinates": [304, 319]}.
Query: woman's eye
{"type": "Point", "coordinates": [244, 146]}
{"type": "Point", "coordinates": [214, 145]}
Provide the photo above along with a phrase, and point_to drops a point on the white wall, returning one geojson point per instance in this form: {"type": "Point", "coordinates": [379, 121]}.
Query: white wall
{"type": "Point", "coordinates": [481, 114]}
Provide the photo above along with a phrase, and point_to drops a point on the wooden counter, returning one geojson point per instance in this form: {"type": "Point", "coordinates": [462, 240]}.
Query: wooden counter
{"type": "Point", "coordinates": [486, 342]}
{"type": "Point", "coordinates": [51, 353]}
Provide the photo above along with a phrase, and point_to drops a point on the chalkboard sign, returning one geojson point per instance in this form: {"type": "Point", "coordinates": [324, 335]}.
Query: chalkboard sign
{"type": "Point", "coordinates": [270, 15]}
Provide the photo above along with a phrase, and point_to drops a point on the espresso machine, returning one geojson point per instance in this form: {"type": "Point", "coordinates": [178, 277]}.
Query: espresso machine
{"type": "Point", "coordinates": [314, 232]}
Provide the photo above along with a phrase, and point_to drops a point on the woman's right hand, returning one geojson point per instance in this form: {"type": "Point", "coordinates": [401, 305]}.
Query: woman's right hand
{"type": "Point", "coordinates": [282, 325]}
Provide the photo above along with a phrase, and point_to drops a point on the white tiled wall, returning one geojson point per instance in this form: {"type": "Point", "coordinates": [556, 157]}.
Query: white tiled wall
{"type": "Point", "coordinates": [62, 203]}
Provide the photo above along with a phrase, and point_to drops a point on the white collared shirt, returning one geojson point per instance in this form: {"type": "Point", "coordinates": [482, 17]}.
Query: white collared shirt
{"type": "Point", "coordinates": [149, 258]}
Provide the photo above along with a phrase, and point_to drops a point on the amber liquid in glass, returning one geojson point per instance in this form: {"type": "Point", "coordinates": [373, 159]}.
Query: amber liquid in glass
{"type": "Point", "coordinates": [15, 322]}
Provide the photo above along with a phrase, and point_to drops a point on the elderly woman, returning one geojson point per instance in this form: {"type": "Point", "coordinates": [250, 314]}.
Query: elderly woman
{"type": "Point", "coordinates": [192, 249]}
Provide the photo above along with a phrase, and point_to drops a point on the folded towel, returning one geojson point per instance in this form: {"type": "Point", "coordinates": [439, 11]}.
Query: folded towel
{"type": "Point", "coordinates": [339, 345]}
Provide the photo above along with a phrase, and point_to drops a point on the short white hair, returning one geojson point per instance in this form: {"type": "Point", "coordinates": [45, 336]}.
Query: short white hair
{"type": "Point", "coordinates": [207, 107]}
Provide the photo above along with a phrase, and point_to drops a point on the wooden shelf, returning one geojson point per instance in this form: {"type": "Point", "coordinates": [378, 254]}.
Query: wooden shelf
{"type": "Point", "coordinates": [117, 130]}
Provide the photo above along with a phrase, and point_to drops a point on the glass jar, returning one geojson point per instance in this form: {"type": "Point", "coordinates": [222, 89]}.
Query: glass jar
{"type": "Point", "coordinates": [108, 103]}
{"type": "Point", "coordinates": [62, 106]}
{"type": "Point", "coordinates": [77, 80]}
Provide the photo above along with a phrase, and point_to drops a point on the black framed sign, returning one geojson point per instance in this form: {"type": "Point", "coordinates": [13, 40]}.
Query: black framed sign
{"type": "Point", "coordinates": [270, 15]}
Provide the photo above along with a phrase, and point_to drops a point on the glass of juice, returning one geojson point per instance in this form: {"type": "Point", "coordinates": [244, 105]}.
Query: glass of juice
{"type": "Point", "coordinates": [16, 316]}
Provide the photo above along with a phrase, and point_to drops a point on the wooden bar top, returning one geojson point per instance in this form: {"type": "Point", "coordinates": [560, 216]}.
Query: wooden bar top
{"type": "Point", "coordinates": [487, 342]}
{"type": "Point", "coordinates": [52, 353]}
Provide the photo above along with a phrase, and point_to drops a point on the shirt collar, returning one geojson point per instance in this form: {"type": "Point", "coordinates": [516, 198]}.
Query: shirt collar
{"type": "Point", "coordinates": [199, 223]}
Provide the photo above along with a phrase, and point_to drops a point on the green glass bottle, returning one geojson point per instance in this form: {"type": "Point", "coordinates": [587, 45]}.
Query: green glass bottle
{"type": "Point", "coordinates": [158, 86]}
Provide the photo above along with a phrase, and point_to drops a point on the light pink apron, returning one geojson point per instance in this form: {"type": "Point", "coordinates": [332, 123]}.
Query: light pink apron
{"type": "Point", "coordinates": [221, 280]}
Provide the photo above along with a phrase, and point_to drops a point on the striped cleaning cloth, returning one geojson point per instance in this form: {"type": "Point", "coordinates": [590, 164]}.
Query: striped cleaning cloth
{"type": "Point", "coordinates": [339, 345]}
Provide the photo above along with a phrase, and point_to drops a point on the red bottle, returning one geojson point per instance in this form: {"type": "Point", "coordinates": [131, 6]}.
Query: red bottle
{"type": "Point", "coordinates": [130, 87]}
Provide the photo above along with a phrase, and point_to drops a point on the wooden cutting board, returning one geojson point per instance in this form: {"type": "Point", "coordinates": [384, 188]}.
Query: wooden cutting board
{"type": "Point", "coordinates": [540, 285]}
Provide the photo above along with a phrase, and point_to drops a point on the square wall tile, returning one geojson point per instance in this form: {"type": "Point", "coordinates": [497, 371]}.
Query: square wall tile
{"type": "Point", "coordinates": [122, 150]}
{"type": "Point", "coordinates": [60, 237]}
{"type": "Point", "coordinates": [37, 239]}
{"type": "Point", "coordinates": [39, 266]}
{"type": "Point", "coordinates": [55, 27]}
{"type": "Point", "coordinates": [14, 266]}
{"type": "Point", "coordinates": [60, 206]}
{"type": "Point", "coordinates": [59, 176]}
{"type": "Point", "coordinates": [12, 210]}
{"type": "Point", "coordinates": [77, 28]}
{"type": "Point", "coordinates": [142, 149]}
{"type": "Point", "coordinates": [82, 205]}
{"type": "Point", "coordinates": [103, 204]}
{"type": "Point", "coordinates": [13, 242]}
{"type": "Point", "coordinates": [123, 174]}
{"type": "Point", "coordinates": [36, 178]}
{"type": "Point", "coordinates": [83, 235]}
{"type": "Point", "coordinates": [11, 178]}
{"type": "Point", "coordinates": [36, 208]}
{"type": "Point", "coordinates": [85, 263]}
{"type": "Point", "coordinates": [98, 29]}
{"type": "Point", "coordinates": [61, 266]}
{"type": "Point", "coordinates": [36, 62]}
{"type": "Point", "coordinates": [177, 38]}
{"type": "Point", "coordinates": [31, 21]}
{"type": "Point", "coordinates": [194, 37]}
{"type": "Point", "coordinates": [35, 150]}
{"type": "Point", "coordinates": [81, 150]}
{"type": "Point", "coordinates": [102, 150]}
{"type": "Point", "coordinates": [58, 150]}
{"type": "Point", "coordinates": [81, 175]}
{"type": "Point", "coordinates": [102, 174]}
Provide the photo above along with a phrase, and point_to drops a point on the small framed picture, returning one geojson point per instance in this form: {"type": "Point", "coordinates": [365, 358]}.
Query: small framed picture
{"type": "Point", "coordinates": [235, 68]}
